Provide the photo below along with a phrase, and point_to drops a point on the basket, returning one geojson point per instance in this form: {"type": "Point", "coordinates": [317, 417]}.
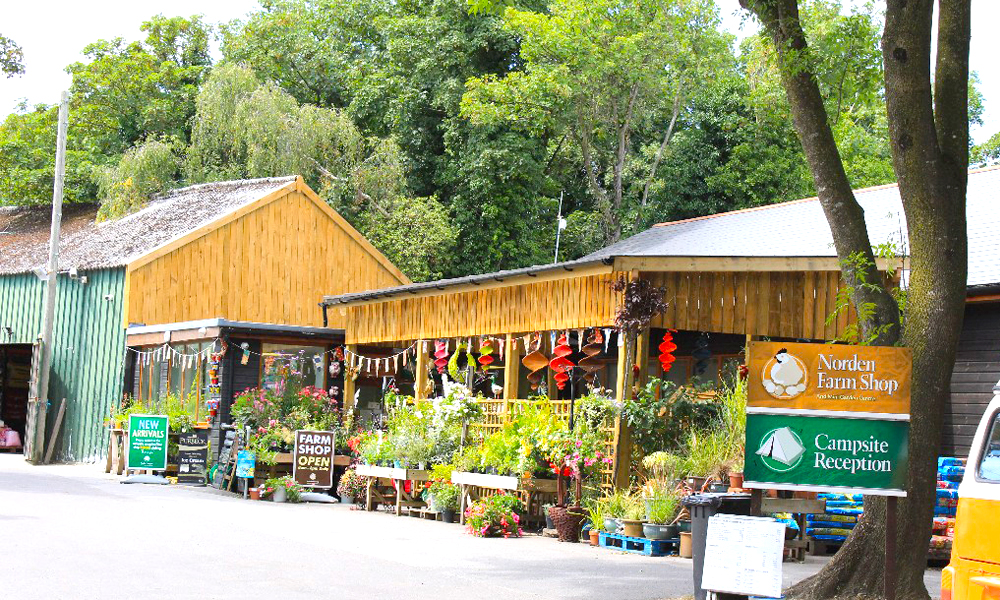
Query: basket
{"type": "Point", "coordinates": [567, 521]}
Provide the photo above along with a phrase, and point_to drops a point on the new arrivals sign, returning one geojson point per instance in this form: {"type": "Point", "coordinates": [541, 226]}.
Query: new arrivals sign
{"type": "Point", "coordinates": [312, 463]}
{"type": "Point", "coordinates": [829, 377]}
{"type": "Point", "coordinates": [147, 442]}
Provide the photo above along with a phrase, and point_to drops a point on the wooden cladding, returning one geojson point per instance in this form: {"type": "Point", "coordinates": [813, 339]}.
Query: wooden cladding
{"type": "Point", "coordinates": [270, 265]}
{"type": "Point", "coordinates": [778, 304]}
{"type": "Point", "coordinates": [567, 303]}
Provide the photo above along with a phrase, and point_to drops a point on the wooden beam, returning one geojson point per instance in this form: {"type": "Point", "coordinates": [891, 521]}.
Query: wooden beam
{"type": "Point", "coordinates": [623, 438]}
{"type": "Point", "coordinates": [739, 263]}
{"type": "Point", "coordinates": [420, 377]}
{"type": "Point", "coordinates": [156, 338]}
{"type": "Point", "coordinates": [642, 355]}
{"type": "Point", "coordinates": [349, 385]}
{"type": "Point", "coordinates": [511, 368]}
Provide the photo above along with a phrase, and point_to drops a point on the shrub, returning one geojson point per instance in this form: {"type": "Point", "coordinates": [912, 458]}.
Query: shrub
{"type": "Point", "coordinates": [292, 489]}
{"type": "Point", "coordinates": [352, 485]}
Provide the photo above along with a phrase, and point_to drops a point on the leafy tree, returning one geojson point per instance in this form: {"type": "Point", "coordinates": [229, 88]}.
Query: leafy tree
{"type": "Point", "coordinates": [928, 131]}
{"type": "Point", "coordinates": [416, 234]}
{"type": "Point", "coordinates": [125, 93]}
{"type": "Point", "coordinates": [601, 72]}
{"type": "Point", "coordinates": [146, 169]}
{"type": "Point", "coordinates": [11, 57]}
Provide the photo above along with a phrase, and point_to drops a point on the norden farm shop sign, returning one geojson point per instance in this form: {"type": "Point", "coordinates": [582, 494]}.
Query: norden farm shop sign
{"type": "Point", "coordinates": [828, 417]}
{"type": "Point", "coordinates": [147, 442]}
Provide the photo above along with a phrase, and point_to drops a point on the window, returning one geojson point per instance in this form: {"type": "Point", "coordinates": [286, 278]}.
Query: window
{"type": "Point", "coordinates": [282, 360]}
{"type": "Point", "coordinates": [989, 465]}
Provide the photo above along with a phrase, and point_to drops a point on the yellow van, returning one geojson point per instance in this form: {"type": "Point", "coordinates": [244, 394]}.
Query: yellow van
{"type": "Point", "coordinates": [974, 570]}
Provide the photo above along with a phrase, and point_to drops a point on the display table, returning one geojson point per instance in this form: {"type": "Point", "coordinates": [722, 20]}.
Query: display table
{"type": "Point", "coordinates": [472, 483]}
{"type": "Point", "coordinates": [397, 478]}
{"type": "Point", "coordinates": [116, 452]}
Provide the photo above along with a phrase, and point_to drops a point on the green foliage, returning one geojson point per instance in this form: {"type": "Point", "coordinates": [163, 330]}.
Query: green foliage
{"type": "Point", "coordinates": [664, 466]}
{"type": "Point", "coordinates": [293, 490]}
{"type": "Point", "coordinates": [351, 484]}
{"type": "Point", "coordinates": [859, 265]}
{"type": "Point", "coordinates": [446, 495]}
{"type": "Point", "coordinates": [662, 508]}
{"type": "Point", "coordinates": [416, 234]}
{"type": "Point", "coordinates": [11, 57]}
{"type": "Point", "coordinates": [146, 169]}
{"type": "Point", "coordinates": [662, 414]}
{"type": "Point", "coordinates": [273, 418]}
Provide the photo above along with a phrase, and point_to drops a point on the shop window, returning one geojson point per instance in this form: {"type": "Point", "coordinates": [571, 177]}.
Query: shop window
{"type": "Point", "coordinates": [989, 465]}
{"type": "Point", "coordinates": [283, 363]}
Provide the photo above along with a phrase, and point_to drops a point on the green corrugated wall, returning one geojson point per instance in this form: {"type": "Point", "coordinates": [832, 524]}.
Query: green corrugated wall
{"type": "Point", "coordinates": [88, 350]}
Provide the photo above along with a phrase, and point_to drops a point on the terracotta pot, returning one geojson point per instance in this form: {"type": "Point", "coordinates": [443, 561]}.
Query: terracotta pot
{"type": "Point", "coordinates": [254, 493]}
{"type": "Point", "coordinates": [595, 537]}
{"type": "Point", "coordinates": [736, 480]}
{"type": "Point", "coordinates": [685, 549]}
{"type": "Point", "coordinates": [632, 528]}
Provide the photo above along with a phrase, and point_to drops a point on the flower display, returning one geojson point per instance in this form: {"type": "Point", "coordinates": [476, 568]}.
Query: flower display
{"type": "Point", "coordinates": [494, 516]}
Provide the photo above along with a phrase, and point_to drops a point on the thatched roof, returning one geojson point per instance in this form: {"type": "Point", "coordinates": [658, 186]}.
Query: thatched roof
{"type": "Point", "coordinates": [86, 244]}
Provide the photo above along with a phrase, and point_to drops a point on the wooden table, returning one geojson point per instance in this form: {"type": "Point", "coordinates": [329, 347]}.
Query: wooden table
{"type": "Point", "coordinates": [471, 483]}
{"type": "Point", "coordinates": [799, 507]}
{"type": "Point", "coordinates": [398, 478]}
{"type": "Point", "coordinates": [116, 452]}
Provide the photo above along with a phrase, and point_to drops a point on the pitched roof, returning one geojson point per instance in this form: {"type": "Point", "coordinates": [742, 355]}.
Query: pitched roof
{"type": "Point", "coordinates": [86, 244]}
{"type": "Point", "coordinates": [799, 229]}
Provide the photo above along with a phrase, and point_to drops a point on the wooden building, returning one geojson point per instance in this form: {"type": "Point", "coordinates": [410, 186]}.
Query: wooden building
{"type": "Point", "coordinates": [769, 272]}
{"type": "Point", "coordinates": [254, 251]}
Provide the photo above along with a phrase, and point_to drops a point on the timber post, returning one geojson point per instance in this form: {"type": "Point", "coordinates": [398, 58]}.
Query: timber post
{"type": "Point", "coordinates": [511, 368]}
{"type": "Point", "coordinates": [623, 390]}
{"type": "Point", "coordinates": [420, 378]}
{"type": "Point", "coordinates": [349, 384]}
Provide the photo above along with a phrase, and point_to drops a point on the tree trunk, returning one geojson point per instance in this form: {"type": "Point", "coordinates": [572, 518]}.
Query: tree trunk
{"type": "Point", "coordinates": [930, 159]}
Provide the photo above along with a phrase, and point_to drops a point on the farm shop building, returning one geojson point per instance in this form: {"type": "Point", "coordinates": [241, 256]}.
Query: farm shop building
{"type": "Point", "coordinates": [769, 271]}
{"type": "Point", "coordinates": [247, 253]}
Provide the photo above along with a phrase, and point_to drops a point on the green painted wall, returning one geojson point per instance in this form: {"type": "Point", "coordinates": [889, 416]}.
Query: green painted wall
{"type": "Point", "coordinates": [88, 350]}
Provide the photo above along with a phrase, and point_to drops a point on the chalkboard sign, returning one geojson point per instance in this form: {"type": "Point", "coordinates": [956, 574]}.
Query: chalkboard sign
{"type": "Point", "coordinates": [227, 460]}
{"type": "Point", "coordinates": [192, 456]}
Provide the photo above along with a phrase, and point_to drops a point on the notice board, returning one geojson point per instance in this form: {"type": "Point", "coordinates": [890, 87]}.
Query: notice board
{"type": "Point", "coordinates": [743, 555]}
{"type": "Point", "coordinates": [192, 456]}
{"type": "Point", "coordinates": [312, 463]}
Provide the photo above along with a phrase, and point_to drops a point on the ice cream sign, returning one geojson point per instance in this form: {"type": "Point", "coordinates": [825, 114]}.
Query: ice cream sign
{"type": "Point", "coordinates": [829, 377]}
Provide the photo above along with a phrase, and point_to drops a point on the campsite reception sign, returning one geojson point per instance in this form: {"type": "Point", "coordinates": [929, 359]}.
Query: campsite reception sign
{"type": "Point", "coordinates": [828, 417]}
{"type": "Point", "coordinates": [147, 442]}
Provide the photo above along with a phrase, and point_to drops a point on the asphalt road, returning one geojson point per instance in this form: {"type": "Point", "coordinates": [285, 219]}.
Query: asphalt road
{"type": "Point", "coordinates": [74, 532]}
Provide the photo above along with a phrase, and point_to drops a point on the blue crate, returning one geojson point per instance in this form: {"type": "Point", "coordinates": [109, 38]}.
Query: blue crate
{"type": "Point", "coordinates": [637, 545]}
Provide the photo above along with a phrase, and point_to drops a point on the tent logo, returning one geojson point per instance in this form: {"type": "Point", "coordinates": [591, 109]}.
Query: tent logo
{"type": "Point", "coordinates": [785, 375]}
{"type": "Point", "coordinates": [781, 450]}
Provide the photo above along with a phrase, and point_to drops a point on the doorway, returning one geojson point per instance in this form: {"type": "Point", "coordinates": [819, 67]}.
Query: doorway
{"type": "Point", "coordinates": [15, 383]}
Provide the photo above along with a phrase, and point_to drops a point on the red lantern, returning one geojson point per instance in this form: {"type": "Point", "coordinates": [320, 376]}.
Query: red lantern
{"type": "Point", "coordinates": [440, 355]}
{"type": "Point", "coordinates": [485, 350]}
{"type": "Point", "coordinates": [560, 364]}
{"type": "Point", "coordinates": [667, 348]}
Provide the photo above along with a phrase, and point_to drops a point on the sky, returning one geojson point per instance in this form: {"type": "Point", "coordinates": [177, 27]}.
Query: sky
{"type": "Point", "coordinates": [54, 32]}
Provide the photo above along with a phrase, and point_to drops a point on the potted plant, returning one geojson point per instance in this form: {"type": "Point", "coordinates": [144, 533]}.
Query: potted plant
{"type": "Point", "coordinates": [616, 505]}
{"type": "Point", "coordinates": [447, 497]}
{"type": "Point", "coordinates": [494, 516]}
{"type": "Point", "coordinates": [596, 514]}
{"type": "Point", "coordinates": [351, 486]}
{"type": "Point", "coordinates": [282, 489]}
{"type": "Point", "coordinates": [634, 515]}
{"type": "Point", "coordinates": [572, 456]}
{"type": "Point", "coordinates": [659, 518]}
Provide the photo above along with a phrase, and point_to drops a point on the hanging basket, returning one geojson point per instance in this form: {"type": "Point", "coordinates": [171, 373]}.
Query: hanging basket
{"type": "Point", "coordinates": [567, 521]}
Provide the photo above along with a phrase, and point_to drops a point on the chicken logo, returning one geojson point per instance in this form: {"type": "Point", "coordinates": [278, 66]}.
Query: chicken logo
{"type": "Point", "coordinates": [784, 375]}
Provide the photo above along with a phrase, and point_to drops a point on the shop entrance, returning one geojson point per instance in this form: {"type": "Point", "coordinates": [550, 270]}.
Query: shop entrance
{"type": "Point", "coordinates": [15, 383]}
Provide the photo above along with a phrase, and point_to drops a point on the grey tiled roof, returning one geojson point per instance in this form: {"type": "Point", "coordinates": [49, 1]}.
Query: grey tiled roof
{"type": "Point", "coordinates": [86, 244]}
{"type": "Point", "coordinates": [799, 228]}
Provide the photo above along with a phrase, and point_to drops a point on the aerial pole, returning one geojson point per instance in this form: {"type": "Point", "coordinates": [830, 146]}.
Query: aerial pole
{"type": "Point", "coordinates": [560, 225]}
{"type": "Point", "coordinates": [51, 276]}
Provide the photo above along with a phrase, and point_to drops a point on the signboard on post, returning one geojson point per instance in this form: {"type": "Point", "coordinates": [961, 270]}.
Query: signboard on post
{"type": "Point", "coordinates": [312, 461]}
{"type": "Point", "coordinates": [147, 442]}
{"type": "Point", "coordinates": [192, 456]}
{"type": "Point", "coordinates": [246, 464]}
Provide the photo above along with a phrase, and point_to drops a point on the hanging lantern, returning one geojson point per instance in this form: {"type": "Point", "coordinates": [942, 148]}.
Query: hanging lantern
{"type": "Point", "coordinates": [590, 364]}
{"type": "Point", "coordinates": [535, 361]}
{"type": "Point", "coordinates": [560, 364]}
{"type": "Point", "coordinates": [485, 352]}
{"type": "Point", "coordinates": [667, 348]}
{"type": "Point", "coordinates": [440, 355]}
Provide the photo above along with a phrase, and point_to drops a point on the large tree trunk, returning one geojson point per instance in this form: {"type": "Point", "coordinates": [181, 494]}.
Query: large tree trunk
{"type": "Point", "coordinates": [930, 158]}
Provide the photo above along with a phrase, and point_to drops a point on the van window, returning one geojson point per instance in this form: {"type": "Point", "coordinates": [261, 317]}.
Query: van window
{"type": "Point", "coordinates": [989, 466]}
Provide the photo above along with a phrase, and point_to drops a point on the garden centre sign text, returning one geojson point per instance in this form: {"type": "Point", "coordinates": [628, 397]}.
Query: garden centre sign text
{"type": "Point", "coordinates": [312, 462]}
{"type": "Point", "coordinates": [829, 377]}
{"type": "Point", "coordinates": [147, 442]}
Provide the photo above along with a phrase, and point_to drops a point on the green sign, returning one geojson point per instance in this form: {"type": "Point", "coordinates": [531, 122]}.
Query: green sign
{"type": "Point", "coordinates": [826, 454]}
{"type": "Point", "coordinates": [147, 442]}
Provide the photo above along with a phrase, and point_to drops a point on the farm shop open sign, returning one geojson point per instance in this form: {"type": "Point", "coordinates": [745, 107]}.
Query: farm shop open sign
{"type": "Point", "coordinates": [829, 377]}
{"type": "Point", "coordinates": [826, 454]}
{"type": "Point", "coordinates": [312, 462]}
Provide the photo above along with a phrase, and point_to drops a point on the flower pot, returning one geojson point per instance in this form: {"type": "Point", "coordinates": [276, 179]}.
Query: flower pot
{"type": "Point", "coordinates": [696, 483]}
{"type": "Point", "coordinates": [280, 494]}
{"type": "Point", "coordinates": [254, 493]}
{"type": "Point", "coordinates": [717, 487]}
{"type": "Point", "coordinates": [549, 524]}
{"type": "Point", "coordinates": [684, 526]}
{"type": "Point", "coordinates": [567, 521]}
{"type": "Point", "coordinates": [653, 531]}
{"type": "Point", "coordinates": [595, 537]}
{"type": "Point", "coordinates": [611, 525]}
{"type": "Point", "coordinates": [685, 549]}
{"type": "Point", "coordinates": [346, 499]}
{"type": "Point", "coordinates": [448, 516]}
{"type": "Point", "coordinates": [736, 480]}
{"type": "Point", "coordinates": [632, 527]}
